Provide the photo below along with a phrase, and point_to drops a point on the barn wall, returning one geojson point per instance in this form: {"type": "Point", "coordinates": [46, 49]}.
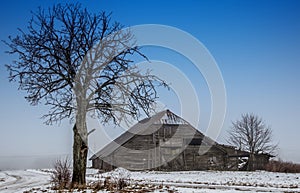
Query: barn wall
{"type": "Point", "coordinates": [260, 161]}
{"type": "Point", "coordinates": [167, 148]}
{"type": "Point", "coordinates": [170, 143]}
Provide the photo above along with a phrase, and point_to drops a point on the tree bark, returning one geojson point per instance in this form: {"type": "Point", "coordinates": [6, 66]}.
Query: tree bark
{"type": "Point", "coordinates": [250, 162]}
{"type": "Point", "coordinates": [80, 150]}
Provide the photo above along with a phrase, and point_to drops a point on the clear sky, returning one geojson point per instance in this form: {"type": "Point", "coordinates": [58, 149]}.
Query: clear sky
{"type": "Point", "coordinates": [256, 45]}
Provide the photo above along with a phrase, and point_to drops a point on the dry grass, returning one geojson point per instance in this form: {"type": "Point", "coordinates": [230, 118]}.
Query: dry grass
{"type": "Point", "coordinates": [61, 176]}
{"type": "Point", "coordinates": [281, 166]}
{"type": "Point", "coordinates": [111, 183]}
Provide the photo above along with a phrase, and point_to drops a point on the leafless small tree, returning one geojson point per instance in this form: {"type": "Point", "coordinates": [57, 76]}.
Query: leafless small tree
{"type": "Point", "coordinates": [77, 63]}
{"type": "Point", "coordinates": [61, 176]}
{"type": "Point", "coordinates": [253, 135]}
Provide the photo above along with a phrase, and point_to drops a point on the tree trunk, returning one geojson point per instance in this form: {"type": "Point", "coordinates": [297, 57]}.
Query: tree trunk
{"type": "Point", "coordinates": [80, 144]}
{"type": "Point", "coordinates": [80, 150]}
{"type": "Point", "coordinates": [250, 162]}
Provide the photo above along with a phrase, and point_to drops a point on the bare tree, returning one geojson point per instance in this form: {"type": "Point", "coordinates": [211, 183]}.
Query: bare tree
{"type": "Point", "coordinates": [61, 176]}
{"type": "Point", "coordinates": [81, 64]}
{"type": "Point", "coordinates": [253, 135]}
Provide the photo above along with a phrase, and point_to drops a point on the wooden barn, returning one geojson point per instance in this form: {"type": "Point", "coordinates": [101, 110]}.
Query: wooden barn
{"type": "Point", "coordinates": [165, 141]}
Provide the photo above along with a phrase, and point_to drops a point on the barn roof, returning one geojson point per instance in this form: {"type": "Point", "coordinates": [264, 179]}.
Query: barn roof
{"type": "Point", "coordinates": [165, 117]}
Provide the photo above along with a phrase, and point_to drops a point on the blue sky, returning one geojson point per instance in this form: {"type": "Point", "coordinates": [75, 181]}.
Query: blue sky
{"type": "Point", "coordinates": [256, 45]}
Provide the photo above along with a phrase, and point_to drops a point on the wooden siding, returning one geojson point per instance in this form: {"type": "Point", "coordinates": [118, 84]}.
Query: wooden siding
{"type": "Point", "coordinates": [167, 142]}
{"type": "Point", "coordinates": [169, 147]}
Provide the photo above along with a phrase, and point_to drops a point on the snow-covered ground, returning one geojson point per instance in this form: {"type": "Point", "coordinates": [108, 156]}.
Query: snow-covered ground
{"type": "Point", "coordinates": [20, 181]}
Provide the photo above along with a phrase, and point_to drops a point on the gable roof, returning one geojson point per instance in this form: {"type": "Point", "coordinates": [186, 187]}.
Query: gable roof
{"type": "Point", "coordinates": [165, 117]}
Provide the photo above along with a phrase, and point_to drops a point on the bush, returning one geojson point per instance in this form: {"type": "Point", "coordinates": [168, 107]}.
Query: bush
{"type": "Point", "coordinates": [281, 166]}
{"type": "Point", "coordinates": [61, 176]}
{"type": "Point", "coordinates": [121, 178]}
{"type": "Point", "coordinates": [116, 180]}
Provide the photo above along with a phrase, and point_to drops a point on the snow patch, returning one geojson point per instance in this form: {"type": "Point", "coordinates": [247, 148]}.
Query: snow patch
{"type": "Point", "coordinates": [185, 181]}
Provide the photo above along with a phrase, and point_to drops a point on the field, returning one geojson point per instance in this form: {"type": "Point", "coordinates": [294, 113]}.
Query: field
{"type": "Point", "coordinates": [20, 181]}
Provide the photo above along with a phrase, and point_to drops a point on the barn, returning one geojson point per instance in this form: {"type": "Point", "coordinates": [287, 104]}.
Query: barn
{"type": "Point", "coordinates": [167, 142]}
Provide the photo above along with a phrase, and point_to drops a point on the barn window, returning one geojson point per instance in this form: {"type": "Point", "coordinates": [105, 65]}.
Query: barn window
{"type": "Point", "coordinates": [194, 141]}
{"type": "Point", "coordinates": [212, 160]}
{"type": "Point", "coordinates": [167, 132]}
{"type": "Point", "coordinates": [175, 151]}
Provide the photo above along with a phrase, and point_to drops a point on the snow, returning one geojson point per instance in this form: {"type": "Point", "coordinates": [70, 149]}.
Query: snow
{"type": "Point", "coordinates": [18, 181]}
{"type": "Point", "coordinates": [215, 181]}
{"type": "Point", "coordinates": [225, 178]}
{"type": "Point", "coordinates": [185, 182]}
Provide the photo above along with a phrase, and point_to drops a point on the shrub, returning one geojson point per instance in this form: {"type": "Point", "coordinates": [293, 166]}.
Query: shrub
{"type": "Point", "coordinates": [116, 180]}
{"type": "Point", "coordinates": [61, 176]}
{"type": "Point", "coordinates": [281, 166]}
{"type": "Point", "coordinates": [121, 178]}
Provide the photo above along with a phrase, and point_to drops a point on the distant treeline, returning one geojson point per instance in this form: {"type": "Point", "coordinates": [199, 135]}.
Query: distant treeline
{"type": "Point", "coordinates": [281, 166]}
